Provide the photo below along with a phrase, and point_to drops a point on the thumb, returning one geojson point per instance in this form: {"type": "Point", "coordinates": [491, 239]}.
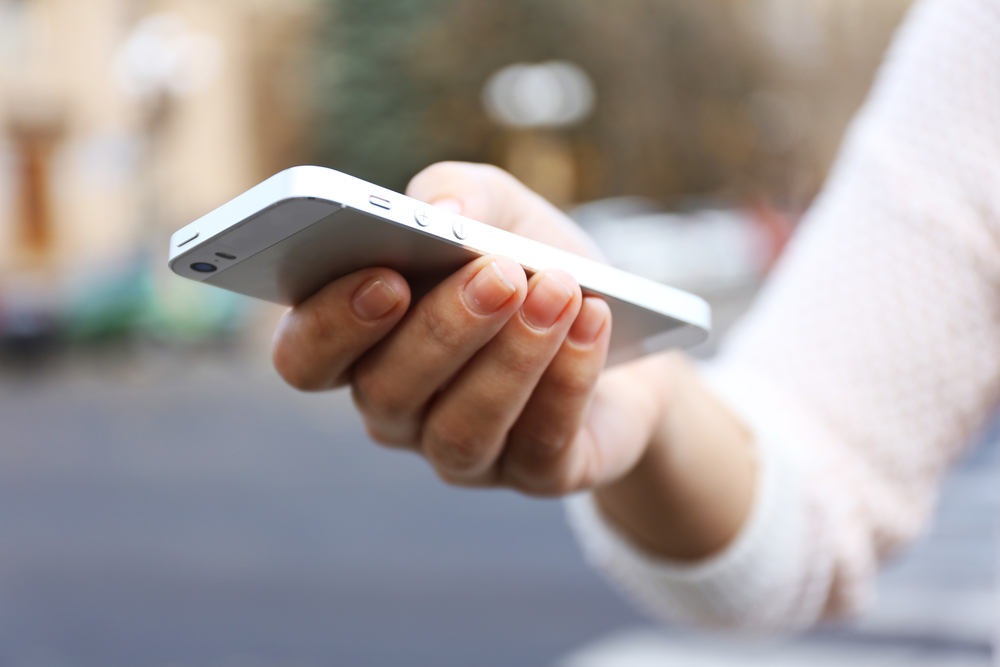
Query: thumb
{"type": "Point", "coordinates": [491, 195]}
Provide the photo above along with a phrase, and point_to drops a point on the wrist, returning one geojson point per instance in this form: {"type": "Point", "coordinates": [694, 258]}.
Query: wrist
{"type": "Point", "coordinates": [691, 491]}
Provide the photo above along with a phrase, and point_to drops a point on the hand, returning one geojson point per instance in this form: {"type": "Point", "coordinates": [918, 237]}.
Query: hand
{"type": "Point", "coordinates": [497, 379]}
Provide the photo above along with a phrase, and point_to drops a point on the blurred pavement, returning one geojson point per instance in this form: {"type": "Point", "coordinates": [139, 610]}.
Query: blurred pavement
{"type": "Point", "coordinates": [195, 511]}
{"type": "Point", "coordinates": [189, 509]}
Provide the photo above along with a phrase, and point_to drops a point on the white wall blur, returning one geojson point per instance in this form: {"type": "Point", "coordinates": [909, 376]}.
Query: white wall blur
{"type": "Point", "coordinates": [119, 172]}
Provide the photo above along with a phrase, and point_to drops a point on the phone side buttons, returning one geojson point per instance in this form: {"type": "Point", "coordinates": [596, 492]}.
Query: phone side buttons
{"type": "Point", "coordinates": [460, 229]}
{"type": "Point", "coordinates": [422, 217]}
{"type": "Point", "coordinates": [380, 202]}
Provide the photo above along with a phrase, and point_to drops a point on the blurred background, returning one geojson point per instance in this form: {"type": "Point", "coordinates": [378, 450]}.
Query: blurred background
{"type": "Point", "coordinates": [167, 501]}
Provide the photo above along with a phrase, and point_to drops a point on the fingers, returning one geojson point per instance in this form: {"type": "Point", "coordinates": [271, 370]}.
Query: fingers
{"type": "Point", "coordinates": [546, 449]}
{"type": "Point", "coordinates": [490, 375]}
{"type": "Point", "coordinates": [394, 382]}
{"type": "Point", "coordinates": [467, 427]}
{"type": "Point", "coordinates": [489, 194]}
{"type": "Point", "coordinates": [317, 341]}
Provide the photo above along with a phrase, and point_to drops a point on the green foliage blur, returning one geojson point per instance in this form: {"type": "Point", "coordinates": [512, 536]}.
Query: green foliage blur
{"type": "Point", "coordinates": [399, 85]}
{"type": "Point", "coordinates": [401, 80]}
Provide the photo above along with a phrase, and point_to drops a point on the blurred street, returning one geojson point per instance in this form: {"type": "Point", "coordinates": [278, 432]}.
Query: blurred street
{"type": "Point", "coordinates": [195, 511]}
{"type": "Point", "coordinates": [188, 509]}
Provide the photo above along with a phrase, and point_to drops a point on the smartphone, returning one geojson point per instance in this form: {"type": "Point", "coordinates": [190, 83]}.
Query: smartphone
{"type": "Point", "coordinates": [286, 238]}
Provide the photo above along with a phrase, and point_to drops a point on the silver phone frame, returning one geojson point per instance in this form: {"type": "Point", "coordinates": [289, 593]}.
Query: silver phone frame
{"type": "Point", "coordinates": [671, 317]}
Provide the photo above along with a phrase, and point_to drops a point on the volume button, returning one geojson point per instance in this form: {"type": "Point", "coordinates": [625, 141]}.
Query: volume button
{"type": "Point", "coordinates": [422, 217]}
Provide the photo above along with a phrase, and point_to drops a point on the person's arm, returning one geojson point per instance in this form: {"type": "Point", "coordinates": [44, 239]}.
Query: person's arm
{"type": "Point", "coordinates": [870, 359]}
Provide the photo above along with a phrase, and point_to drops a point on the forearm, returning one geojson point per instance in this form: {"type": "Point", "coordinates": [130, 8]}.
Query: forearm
{"type": "Point", "coordinates": [692, 490]}
{"type": "Point", "coordinates": [865, 365]}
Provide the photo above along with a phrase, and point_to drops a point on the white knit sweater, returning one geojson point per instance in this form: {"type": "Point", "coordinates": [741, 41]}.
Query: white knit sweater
{"type": "Point", "coordinates": [871, 357]}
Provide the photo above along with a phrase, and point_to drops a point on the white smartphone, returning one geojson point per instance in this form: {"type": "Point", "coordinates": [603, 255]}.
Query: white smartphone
{"type": "Point", "coordinates": [286, 238]}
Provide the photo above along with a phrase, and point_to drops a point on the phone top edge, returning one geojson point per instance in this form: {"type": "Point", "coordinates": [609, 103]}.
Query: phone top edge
{"type": "Point", "coordinates": [258, 198]}
{"type": "Point", "coordinates": [592, 275]}
{"type": "Point", "coordinates": [329, 185]}
{"type": "Point", "coordinates": [306, 182]}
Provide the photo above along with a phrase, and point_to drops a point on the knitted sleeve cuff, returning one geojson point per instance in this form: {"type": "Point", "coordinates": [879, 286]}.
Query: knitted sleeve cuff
{"type": "Point", "coordinates": [750, 584]}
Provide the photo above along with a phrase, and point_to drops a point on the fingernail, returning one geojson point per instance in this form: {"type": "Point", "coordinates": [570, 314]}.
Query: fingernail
{"type": "Point", "coordinates": [374, 300]}
{"type": "Point", "coordinates": [449, 204]}
{"type": "Point", "coordinates": [589, 323]}
{"type": "Point", "coordinates": [489, 290]}
{"type": "Point", "coordinates": [547, 301]}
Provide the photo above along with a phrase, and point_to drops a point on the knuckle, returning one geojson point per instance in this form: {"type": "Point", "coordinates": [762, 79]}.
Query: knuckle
{"type": "Point", "coordinates": [519, 368]}
{"type": "Point", "coordinates": [374, 396]}
{"type": "Point", "coordinates": [541, 464]}
{"type": "Point", "coordinates": [443, 335]}
{"type": "Point", "coordinates": [540, 448]}
{"type": "Point", "coordinates": [319, 325]}
{"type": "Point", "coordinates": [454, 452]}
{"type": "Point", "coordinates": [572, 386]}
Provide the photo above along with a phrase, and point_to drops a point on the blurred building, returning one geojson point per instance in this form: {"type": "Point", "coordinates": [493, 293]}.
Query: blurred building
{"type": "Point", "coordinates": [121, 120]}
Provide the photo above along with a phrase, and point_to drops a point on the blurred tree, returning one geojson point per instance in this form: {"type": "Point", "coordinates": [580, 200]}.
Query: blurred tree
{"type": "Point", "coordinates": [686, 100]}
{"type": "Point", "coordinates": [400, 82]}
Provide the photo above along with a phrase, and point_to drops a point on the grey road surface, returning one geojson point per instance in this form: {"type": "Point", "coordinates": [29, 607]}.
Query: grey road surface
{"type": "Point", "coordinates": [188, 509]}
{"type": "Point", "coordinates": [194, 511]}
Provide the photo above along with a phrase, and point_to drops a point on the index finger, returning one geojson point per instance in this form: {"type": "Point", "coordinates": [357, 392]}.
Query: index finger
{"type": "Point", "coordinates": [317, 341]}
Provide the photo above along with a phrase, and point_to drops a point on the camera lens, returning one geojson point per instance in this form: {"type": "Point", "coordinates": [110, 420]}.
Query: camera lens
{"type": "Point", "coordinates": [203, 267]}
